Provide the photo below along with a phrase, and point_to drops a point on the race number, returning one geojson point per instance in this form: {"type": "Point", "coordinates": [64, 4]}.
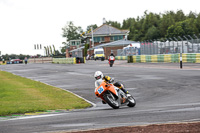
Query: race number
{"type": "Point", "coordinates": [112, 58]}
{"type": "Point", "coordinates": [100, 90]}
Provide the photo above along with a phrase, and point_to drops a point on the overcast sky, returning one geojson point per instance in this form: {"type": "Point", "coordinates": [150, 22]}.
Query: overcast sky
{"type": "Point", "coordinates": [24, 23]}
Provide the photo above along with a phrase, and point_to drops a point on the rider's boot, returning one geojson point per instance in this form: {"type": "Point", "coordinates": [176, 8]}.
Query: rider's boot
{"type": "Point", "coordinates": [120, 86]}
{"type": "Point", "coordinates": [103, 102]}
{"type": "Point", "coordinates": [126, 92]}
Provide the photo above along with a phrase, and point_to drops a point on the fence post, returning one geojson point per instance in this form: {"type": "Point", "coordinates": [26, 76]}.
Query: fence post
{"type": "Point", "coordinates": [192, 42]}
{"type": "Point", "coordinates": [181, 53]}
{"type": "Point", "coordinates": [169, 45]}
{"type": "Point", "coordinates": [173, 44]}
{"type": "Point", "coordinates": [187, 43]}
{"type": "Point", "coordinates": [197, 42]}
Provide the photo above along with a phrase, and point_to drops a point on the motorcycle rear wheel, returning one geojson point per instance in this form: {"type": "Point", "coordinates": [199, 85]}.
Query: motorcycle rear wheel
{"type": "Point", "coordinates": [111, 100]}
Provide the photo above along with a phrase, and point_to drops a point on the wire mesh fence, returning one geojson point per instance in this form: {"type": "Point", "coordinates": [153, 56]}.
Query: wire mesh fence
{"type": "Point", "coordinates": [158, 47]}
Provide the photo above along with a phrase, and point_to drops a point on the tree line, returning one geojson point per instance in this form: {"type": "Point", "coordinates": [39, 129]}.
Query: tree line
{"type": "Point", "coordinates": [13, 56]}
{"type": "Point", "coordinates": [150, 26]}
{"type": "Point", "coordinates": [166, 25]}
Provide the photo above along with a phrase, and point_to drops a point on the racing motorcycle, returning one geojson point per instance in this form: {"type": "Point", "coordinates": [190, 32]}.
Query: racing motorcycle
{"type": "Point", "coordinates": [114, 96]}
{"type": "Point", "coordinates": [111, 60]}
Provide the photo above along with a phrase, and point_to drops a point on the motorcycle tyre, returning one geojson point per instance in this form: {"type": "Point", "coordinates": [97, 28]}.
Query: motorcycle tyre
{"type": "Point", "coordinates": [111, 64]}
{"type": "Point", "coordinates": [114, 106]}
{"type": "Point", "coordinates": [131, 104]}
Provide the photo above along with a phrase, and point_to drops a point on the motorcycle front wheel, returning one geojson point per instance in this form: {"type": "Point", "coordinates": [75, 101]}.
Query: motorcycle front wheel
{"type": "Point", "coordinates": [111, 100]}
{"type": "Point", "coordinates": [131, 101]}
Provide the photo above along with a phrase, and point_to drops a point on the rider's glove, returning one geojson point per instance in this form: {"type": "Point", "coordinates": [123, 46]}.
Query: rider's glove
{"type": "Point", "coordinates": [109, 79]}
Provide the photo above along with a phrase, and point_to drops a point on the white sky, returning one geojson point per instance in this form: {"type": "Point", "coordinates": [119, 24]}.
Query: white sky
{"type": "Point", "coordinates": [24, 23]}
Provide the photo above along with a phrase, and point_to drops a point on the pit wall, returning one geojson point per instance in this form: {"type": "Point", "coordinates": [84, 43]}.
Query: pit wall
{"type": "Point", "coordinates": [173, 58]}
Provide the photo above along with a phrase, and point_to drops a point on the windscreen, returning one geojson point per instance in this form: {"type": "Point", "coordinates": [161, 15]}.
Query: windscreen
{"type": "Point", "coordinates": [99, 52]}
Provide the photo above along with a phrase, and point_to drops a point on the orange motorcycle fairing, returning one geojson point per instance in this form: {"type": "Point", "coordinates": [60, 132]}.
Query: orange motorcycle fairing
{"type": "Point", "coordinates": [103, 88]}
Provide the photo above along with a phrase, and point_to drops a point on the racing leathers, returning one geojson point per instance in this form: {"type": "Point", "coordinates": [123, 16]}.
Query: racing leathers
{"type": "Point", "coordinates": [110, 80]}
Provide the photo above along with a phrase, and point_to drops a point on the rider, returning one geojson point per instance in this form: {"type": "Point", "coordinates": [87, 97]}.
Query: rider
{"type": "Point", "coordinates": [112, 56]}
{"type": "Point", "coordinates": [100, 78]}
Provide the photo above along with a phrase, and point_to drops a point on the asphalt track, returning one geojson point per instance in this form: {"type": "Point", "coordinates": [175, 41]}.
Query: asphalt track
{"type": "Point", "coordinates": [164, 94]}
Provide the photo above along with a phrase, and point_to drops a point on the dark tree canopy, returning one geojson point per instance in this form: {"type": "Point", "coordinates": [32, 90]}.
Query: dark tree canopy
{"type": "Point", "coordinates": [150, 26]}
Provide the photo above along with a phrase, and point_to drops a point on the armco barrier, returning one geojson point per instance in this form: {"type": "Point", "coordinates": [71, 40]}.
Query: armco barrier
{"type": "Point", "coordinates": [175, 58]}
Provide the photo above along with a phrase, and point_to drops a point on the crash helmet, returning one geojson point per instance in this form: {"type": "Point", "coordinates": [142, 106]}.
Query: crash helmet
{"type": "Point", "coordinates": [98, 75]}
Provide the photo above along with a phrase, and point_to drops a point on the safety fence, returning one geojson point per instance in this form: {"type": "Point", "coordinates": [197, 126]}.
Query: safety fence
{"type": "Point", "coordinates": [170, 47]}
{"type": "Point", "coordinates": [158, 47]}
{"type": "Point", "coordinates": [173, 58]}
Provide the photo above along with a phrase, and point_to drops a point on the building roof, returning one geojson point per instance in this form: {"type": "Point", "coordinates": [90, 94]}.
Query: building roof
{"type": "Point", "coordinates": [107, 30]}
{"type": "Point", "coordinates": [78, 49]}
{"type": "Point", "coordinates": [122, 42]}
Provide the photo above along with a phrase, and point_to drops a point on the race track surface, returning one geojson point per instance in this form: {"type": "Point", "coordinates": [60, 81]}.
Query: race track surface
{"type": "Point", "coordinates": [164, 94]}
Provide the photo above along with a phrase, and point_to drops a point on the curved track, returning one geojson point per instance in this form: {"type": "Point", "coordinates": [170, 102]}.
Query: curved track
{"type": "Point", "coordinates": [164, 94]}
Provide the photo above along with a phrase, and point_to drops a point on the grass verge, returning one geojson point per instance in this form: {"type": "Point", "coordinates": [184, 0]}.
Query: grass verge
{"type": "Point", "coordinates": [20, 95]}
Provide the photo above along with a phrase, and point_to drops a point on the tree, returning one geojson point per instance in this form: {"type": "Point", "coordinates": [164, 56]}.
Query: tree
{"type": "Point", "coordinates": [152, 33]}
{"type": "Point", "coordinates": [192, 15]}
{"type": "Point", "coordinates": [85, 49]}
{"type": "Point", "coordinates": [93, 26]}
{"type": "Point", "coordinates": [114, 24]}
{"type": "Point", "coordinates": [46, 50]}
{"type": "Point", "coordinates": [197, 23]}
{"type": "Point", "coordinates": [57, 52]}
{"type": "Point", "coordinates": [54, 50]}
{"type": "Point", "coordinates": [179, 16]}
{"type": "Point", "coordinates": [180, 29]}
{"type": "Point", "coordinates": [63, 49]}
{"type": "Point", "coordinates": [71, 32]}
{"type": "Point", "coordinates": [166, 21]}
{"type": "Point", "coordinates": [14, 56]}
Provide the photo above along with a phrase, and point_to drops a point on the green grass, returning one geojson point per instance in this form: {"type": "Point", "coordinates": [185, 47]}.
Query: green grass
{"type": "Point", "coordinates": [20, 95]}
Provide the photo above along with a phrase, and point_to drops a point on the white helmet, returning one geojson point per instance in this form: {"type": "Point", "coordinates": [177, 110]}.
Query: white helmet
{"type": "Point", "coordinates": [98, 75]}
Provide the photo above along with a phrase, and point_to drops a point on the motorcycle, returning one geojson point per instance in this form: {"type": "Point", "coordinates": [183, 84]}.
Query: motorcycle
{"type": "Point", "coordinates": [114, 96]}
{"type": "Point", "coordinates": [111, 60]}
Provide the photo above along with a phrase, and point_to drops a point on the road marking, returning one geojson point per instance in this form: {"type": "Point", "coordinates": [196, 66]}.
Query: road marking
{"type": "Point", "coordinates": [35, 116]}
{"type": "Point", "coordinates": [72, 125]}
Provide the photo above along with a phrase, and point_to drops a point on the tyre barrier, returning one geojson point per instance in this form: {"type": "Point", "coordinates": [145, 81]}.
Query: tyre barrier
{"type": "Point", "coordinates": [3, 62]}
{"type": "Point", "coordinates": [74, 60]}
{"type": "Point", "coordinates": [170, 58]}
{"type": "Point", "coordinates": [121, 57]}
{"type": "Point", "coordinates": [64, 60]}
